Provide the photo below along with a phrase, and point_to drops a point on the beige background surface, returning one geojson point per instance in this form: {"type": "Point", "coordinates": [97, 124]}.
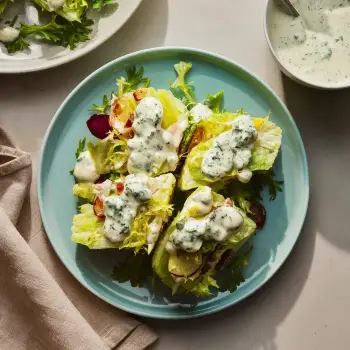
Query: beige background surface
{"type": "Point", "coordinates": [307, 304]}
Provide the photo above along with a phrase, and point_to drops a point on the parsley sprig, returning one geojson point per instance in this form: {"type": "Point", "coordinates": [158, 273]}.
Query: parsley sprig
{"type": "Point", "coordinates": [244, 194]}
{"type": "Point", "coordinates": [134, 268]}
{"type": "Point", "coordinates": [58, 31]}
{"type": "Point", "coordinates": [102, 109]}
{"type": "Point", "coordinates": [135, 78]}
{"type": "Point", "coordinates": [234, 272]}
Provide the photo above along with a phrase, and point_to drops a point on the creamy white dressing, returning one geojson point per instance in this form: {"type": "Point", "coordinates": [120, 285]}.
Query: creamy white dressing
{"type": "Point", "coordinates": [316, 45]}
{"type": "Point", "coordinates": [201, 203]}
{"type": "Point", "coordinates": [200, 111]}
{"type": "Point", "coordinates": [151, 146]}
{"type": "Point", "coordinates": [244, 176]}
{"type": "Point", "coordinates": [55, 5]}
{"type": "Point", "coordinates": [231, 149]}
{"type": "Point", "coordinates": [120, 211]}
{"type": "Point", "coordinates": [85, 169]}
{"type": "Point", "coordinates": [8, 34]}
{"type": "Point", "coordinates": [218, 226]}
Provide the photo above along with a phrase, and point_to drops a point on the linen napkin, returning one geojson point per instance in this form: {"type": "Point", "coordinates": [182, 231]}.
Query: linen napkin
{"type": "Point", "coordinates": [41, 305]}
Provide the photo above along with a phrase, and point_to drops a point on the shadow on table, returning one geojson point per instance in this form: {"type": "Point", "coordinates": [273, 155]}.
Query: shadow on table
{"type": "Point", "coordinates": [323, 120]}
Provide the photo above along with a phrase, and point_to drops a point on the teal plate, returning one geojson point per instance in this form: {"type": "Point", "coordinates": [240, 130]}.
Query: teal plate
{"type": "Point", "coordinates": [210, 73]}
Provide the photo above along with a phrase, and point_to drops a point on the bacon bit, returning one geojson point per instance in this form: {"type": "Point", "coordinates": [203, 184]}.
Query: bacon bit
{"type": "Point", "coordinates": [98, 208]}
{"type": "Point", "coordinates": [139, 94]}
{"type": "Point", "coordinates": [129, 122]}
{"type": "Point", "coordinates": [228, 202]}
{"type": "Point", "coordinates": [119, 187]}
{"type": "Point", "coordinates": [99, 125]}
{"type": "Point", "coordinates": [116, 108]}
{"type": "Point", "coordinates": [120, 110]}
{"type": "Point", "coordinates": [196, 138]}
{"type": "Point", "coordinates": [128, 133]}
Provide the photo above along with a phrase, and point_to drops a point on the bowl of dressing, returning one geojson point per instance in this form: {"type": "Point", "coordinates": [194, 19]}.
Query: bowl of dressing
{"type": "Point", "coordinates": [314, 48]}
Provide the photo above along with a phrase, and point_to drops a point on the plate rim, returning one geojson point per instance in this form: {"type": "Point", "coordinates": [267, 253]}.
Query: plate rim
{"type": "Point", "coordinates": [306, 190]}
{"type": "Point", "coordinates": [77, 53]}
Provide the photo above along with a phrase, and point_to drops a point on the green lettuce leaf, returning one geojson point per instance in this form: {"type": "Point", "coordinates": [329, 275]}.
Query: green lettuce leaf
{"type": "Point", "coordinates": [264, 152]}
{"type": "Point", "coordinates": [60, 32]}
{"type": "Point", "coordinates": [72, 10]}
{"type": "Point", "coordinates": [244, 194]}
{"type": "Point", "coordinates": [98, 4]}
{"type": "Point", "coordinates": [109, 155]}
{"type": "Point", "coordinates": [134, 79]}
{"type": "Point", "coordinates": [201, 283]}
{"type": "Point", "coordinates": [215, 102]}
{"type": "Point", "coordinates": [182, 68]}
{"type": "Point", "coordinates": [158, 208]}
{"type": "Point", "coordinates": [99, 154]}
{"type": "Point", "coordinates": [4, 4]}
{"type": "Point", "coordinates": [85, 190]}
{"type": "Point", "coordinates": [88, 230]}
{"type": "Point", "coordinates": [173, 108]}
{"type": "Point", "coordinates": [248, 228]}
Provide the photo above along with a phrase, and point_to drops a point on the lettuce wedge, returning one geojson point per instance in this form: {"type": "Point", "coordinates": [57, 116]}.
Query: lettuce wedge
{"type": "Point", "coordinates": [201, 281]}
{"type": "Point", "coordinates": [264, 152]}
{"type": "Point", "coordinates": [87, 228]}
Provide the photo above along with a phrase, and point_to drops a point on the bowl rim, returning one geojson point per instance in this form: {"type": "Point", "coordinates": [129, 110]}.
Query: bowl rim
{"type": "Point", "coordinates": [302, 210]}
{"type": "Point", "coordinates": [283, 68]}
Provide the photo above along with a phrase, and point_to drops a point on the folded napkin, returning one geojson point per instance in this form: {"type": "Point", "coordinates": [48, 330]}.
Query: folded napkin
{"type": "Point", "coordinates": [41, 305]}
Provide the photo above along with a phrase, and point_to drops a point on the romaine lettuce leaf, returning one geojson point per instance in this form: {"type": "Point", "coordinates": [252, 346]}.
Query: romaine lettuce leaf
{"type": "Point", "coordinates": [85, 190]}
{"type": "Point", "coordinates": [174, 109]}
{"type": "Point", "coordinates": [72, 10]}
{"type": "Point", "coordinates": [264, 152]}
{"type": "Point", "coordinates": [99, 154]}
{"type": "Point", "coordinates": [87, 229]}
{"type": "Point", "coordinates": [199, 284]}
{"type": "Point", "coordinates": [215, 102]}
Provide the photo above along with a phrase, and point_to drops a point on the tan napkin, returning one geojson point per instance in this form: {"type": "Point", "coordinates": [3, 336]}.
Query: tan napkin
{"type": "Point", "coordinates": [41, 305]}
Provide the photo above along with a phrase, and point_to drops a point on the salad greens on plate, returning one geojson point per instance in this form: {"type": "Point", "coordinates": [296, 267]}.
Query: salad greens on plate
{"type": "Point", "coordinates": [67, 23]}
{"type": "Point", "coordinates": [176, 181]}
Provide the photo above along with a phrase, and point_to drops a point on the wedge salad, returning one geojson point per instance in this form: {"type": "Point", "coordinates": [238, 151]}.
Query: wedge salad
{"type": "Point", "coordinates": [175, 180]}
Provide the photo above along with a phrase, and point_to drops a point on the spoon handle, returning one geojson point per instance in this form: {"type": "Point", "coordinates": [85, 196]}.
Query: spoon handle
{"type": "Point", "coordinates": [291, 8]}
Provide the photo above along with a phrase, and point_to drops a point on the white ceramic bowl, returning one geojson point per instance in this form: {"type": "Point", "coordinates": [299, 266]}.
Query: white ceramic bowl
{"type": "Point", "coordinates": [45, 55]}
{"type": "Point", "coordinates": [299, 79]}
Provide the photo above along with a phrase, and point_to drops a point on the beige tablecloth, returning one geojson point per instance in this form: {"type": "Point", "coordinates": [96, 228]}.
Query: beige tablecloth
{"type": "Point", "coordinates": [41, 305]}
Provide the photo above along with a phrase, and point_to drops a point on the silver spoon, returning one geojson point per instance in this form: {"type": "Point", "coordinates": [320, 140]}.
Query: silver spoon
{"type": "Point", "coordinates": [291, 8]}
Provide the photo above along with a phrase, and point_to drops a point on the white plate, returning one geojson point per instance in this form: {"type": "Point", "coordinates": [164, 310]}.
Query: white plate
{"type": "Point", "coordinates": [44, 55]}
